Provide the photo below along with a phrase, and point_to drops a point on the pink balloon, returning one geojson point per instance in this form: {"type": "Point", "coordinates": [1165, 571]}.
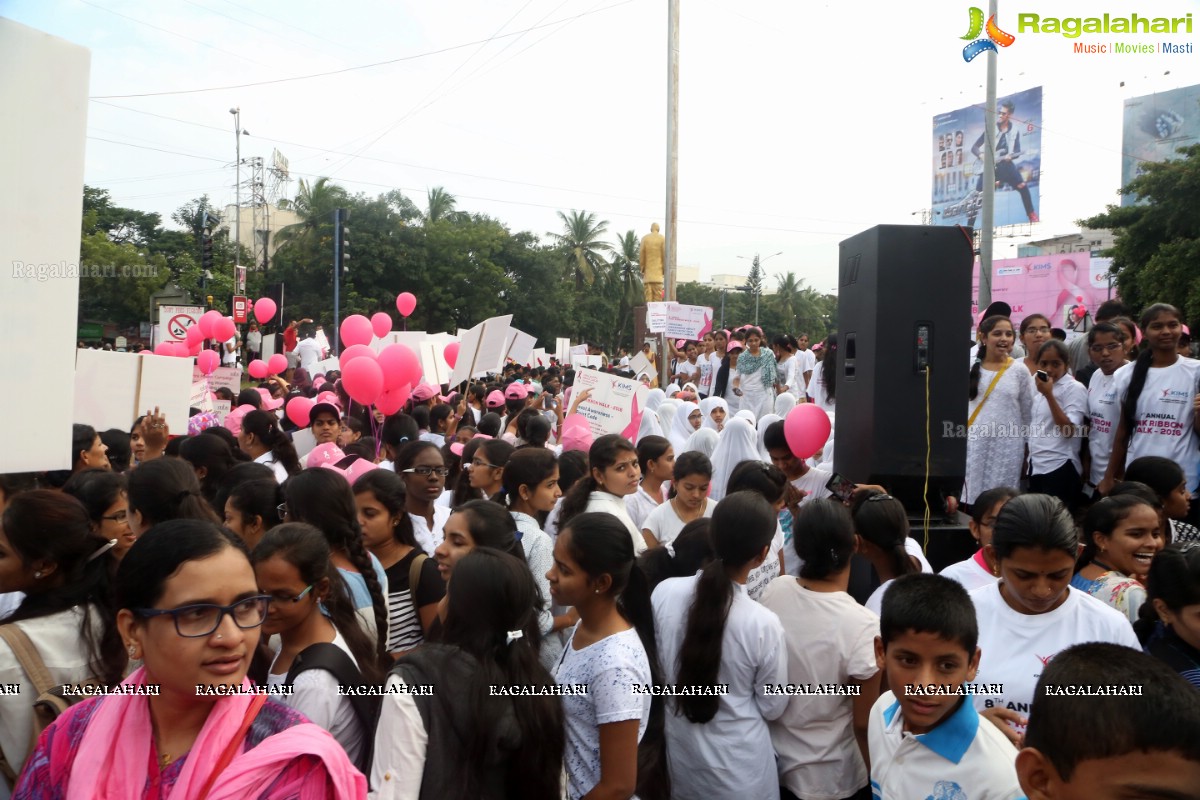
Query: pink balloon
{"type": "Point", "coordinates": [400, 366]}
{"type": "Point", "coordinates": [450, 353]}
{"type": "Point", "coordinates": [392, 400]}
{"type": "Point", "coordinates": [381, 324]}
{"type": "Point", "coordinates": [277, 365]}
{"type": "Point", "coordinates": [356, 351]}
{"type": "Point", "coordinates": [264, 309]}
{"type": "Point", "coordinates": [257, 369]}
{"type": "Point", "coordinates": [164, 349]}
{"type": "Point", "coordinates": [208, 360]}
{"type": "Point", "coordinates": [806, 429]}
{"type": "Point", "coordinates": [363, 380]}
{"type": "Point", "coordinates": [356, 329]}
{"type": "Point", "coordinates": [181, 350]}
{"type": "Point", "coordinates": [194, 348]}
{"type": "Point", "coordinates": [406, 303]}
{"type": "Point", "coordinates": [299, 409]}
{"type": "Point", "coordinates": [1080, 312]}
{"type": "Point", "coordinates": [206, 322]}
{"type": "Point", "coordinates": [223, 329]}
{"type": "Point", "coordinates": [194, 335]}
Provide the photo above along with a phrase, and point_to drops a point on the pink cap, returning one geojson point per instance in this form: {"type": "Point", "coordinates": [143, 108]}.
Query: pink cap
{"type": "Point", "coordinates": [329, 397]}
{"type": "Point", "coordinates": [328, 453]}
{"type": "Point", "coordinates": [495, 399]}
{"type": "Point", "coordinates": [318, 381]}
{"type": "Point", "coordinates": [679, 343]}
{"type": "Point", "coordinates": [576, 434]}
{"type": "Point", "coordinates": [734, 344]}
{"type": "Point", "coordinates": [1185, 329]}
{"type": "Point", "coordinates": [516, 391]}
{"type": "Point", "coordinates": [269, 403]}
{"type": "Point", "coordinates": [423, 392]}
{"type": "Point", "coordinates": [354, 470]}
{"type": "Point", "coordinates": [818, 347]}
{"type": "Point", "coordinates": [233, 420]}
{"type": "Point", "coordinates": [456, 448]}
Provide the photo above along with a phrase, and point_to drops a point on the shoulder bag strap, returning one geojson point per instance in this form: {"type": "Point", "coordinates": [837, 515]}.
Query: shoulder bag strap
{"type": "Point", "coordinates": [414, 578]}
{"type": "Point", "coordinates": [27, 656]}
{"type": "Point", "coordinates": [992, 385]}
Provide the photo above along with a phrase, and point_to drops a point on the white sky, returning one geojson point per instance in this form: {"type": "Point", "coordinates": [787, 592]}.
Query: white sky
{"type": "Point", "coordinates": [801, 122]}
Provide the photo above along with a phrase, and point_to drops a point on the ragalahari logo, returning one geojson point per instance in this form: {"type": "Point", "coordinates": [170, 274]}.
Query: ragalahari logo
{"type": "Point", "coordinates": [995, 36]}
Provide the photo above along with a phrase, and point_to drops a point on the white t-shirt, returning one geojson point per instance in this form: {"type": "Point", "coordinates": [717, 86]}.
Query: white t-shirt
{"type": "Point", "coordinates": [731, 754]}
{"type": "Point", "coordinates": [913, 548]}
{"type": "Point", "coordinates": [706, 374]}
{"type": "Point", "coordinates": [268, 458]}
{"type": "Point", "coordinates": [639, 505]}
{"type": "Point", "coordinates": [963, 757]}
{"type": "Point", "coordinates": [429, 538]}
{"type": "Point", "coordinates": [1049, 449]}
{"type": "Point", "coordinates": [310, 353]}
{"type": "Point", "coordinates": [1104, 409]}
{"type": "Point", "coordinates": [830, 638]}
{"type": "Point", "coordinates": [1164, 415]}
{"type": "Point", "coordinates": [970, 573]}
{"type": "Point", "coordinates": [665, 524]}
{"type": "Point", "coordinates": [609, 668]}
{"type": "Point", "coordinates": [611, 504]}
{"type": "Point", "coordinates": [229, 352]}
{"type": "Point", "coordinates": [315, 695]}
{"type": "Point", "coordinates": [761, 576]}
{"type": "Point", "coordinates": [808, 363]}
{"type": "Point", "coordinates": [1016, 647]}
{"type": "Point", "coordinates": [813, 482]}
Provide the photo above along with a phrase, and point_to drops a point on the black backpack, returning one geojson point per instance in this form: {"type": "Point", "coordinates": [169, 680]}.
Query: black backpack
{"type": "Point", "coordinates": [335, 661]}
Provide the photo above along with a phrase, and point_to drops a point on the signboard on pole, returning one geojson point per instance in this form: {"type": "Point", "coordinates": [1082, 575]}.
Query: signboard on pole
{"type": "Point", "coordinates": [679, 321]}
{"type": "Point", "coordinates": [239, 280]}
{"type": "Point", "coordinates": [241, 309]}
{"type": "Point", "coordinates": [1048, 285]}
{"type": "Point", "coordinates": [614, 405]}
{"type": "Point", "coordinates": [173, 321]}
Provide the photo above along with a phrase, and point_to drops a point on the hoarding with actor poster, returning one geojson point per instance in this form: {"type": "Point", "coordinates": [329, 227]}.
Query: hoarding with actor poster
{"type": "Point", "coordinates": [958, 149]}
{"type": "Point", "coordinates": [1156, 125]}
{"type": "Point", "coordinates": [1048, 285]}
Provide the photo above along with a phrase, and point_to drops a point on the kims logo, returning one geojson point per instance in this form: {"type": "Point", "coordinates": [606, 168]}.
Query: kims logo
{"type": "Point", "coordinates": [995, 36]}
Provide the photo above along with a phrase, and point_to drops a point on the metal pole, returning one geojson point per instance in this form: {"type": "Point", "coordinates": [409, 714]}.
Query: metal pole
{"type": "Point", "coordinates": [672, 239]}
{"type": "Point", "coordinates": [237, 222]}
{"type": "Point", "coordinates": [989, 178]}
{"type": "Point", "coordinates": [723, 291]}
{"type": "Point", "coordinates": [757, 294]}
{"type": "Point", "coordinates": [337, 275]}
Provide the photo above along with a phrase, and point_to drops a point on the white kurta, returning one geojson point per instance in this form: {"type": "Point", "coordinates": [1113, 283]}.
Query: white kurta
{"type": "Point", "coordinates": [996, 442]}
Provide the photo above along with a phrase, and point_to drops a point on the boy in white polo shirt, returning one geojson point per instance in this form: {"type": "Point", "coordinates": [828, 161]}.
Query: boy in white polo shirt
{"type": "Point", "coordinates": [926, 740]}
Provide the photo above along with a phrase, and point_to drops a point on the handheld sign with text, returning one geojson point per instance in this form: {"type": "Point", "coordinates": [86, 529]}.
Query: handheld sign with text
{"type": "Point", "coordinates": [615, 404]}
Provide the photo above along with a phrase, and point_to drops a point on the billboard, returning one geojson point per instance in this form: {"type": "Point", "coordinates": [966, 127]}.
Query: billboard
{"type": "Point", "coordinates": [958, 146]}
{"type": "Point", "coordinates": [1047, 285]}
{"type": "Point", "coordinates": [1155, 126]}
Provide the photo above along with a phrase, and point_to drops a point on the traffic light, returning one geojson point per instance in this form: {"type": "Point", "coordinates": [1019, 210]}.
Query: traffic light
{"type": "Point", "coordinates": [206, 249]}
{"type": "Point", "coordinates": [341, 239]}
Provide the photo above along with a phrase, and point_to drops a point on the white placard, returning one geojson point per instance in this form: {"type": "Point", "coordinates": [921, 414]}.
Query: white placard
{"type": "Point", "coordinates": [112, 389]}
{"type": "Point", "coordinates": [45, 93]}
{"type": "Point", "coordinates": [325, 366]}
{"type": "Point", "coordinates": [678, 321]}
{"type": "Point", "coordinates": [227, 377]}
{"type": "Point", "coordinates": [433, 363]}
{"type": "Point", "coordinates": [538, 358]}
{"type": "Point", "coordinates": [615, 404]}
{"type": "Point", "coordinates": [221, 408]}
{"type": "Point", "coordinates": [639, 364]}
{"type": "Point", "coordinates": [304, 442]}
{"type": "Point", "coordinates": [165, 382]}
{"type": "Point", "coordinates": [656, 317]}
{"type": "Point", "coordinates": [481, 351]}
{"type": "Point", "coordinates": [593, 362]}
{"type": "Point", "coordinates": [519, 346]}
{"type": "Point", "coordinates": [173, 321]}
{"type": "Point", "coordinates": [562, 350]}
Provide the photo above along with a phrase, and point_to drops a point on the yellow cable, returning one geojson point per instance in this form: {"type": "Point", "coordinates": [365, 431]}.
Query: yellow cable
{"type": "Point", "coordinates": [928, 456]}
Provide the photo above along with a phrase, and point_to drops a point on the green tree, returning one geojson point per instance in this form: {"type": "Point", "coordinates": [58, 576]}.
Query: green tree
{"type": "Point", "coordinates": [626, 276]}
{"type": "Point", "coordinates": [1157, 243]}
{"type": "Point", "coordinates": [581, 246]}
{"type": "Point", "coordinates": [439, 205]}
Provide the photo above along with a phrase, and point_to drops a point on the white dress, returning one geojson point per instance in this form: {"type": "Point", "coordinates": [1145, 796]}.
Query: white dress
{"type": "Point", "coordinates": [996, 441]}
{"type": "Point", "coordinates": [757, 395]}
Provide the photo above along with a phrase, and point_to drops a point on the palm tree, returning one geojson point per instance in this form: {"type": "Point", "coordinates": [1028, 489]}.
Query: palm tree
{"type": "Point", "coordinates": [800, 305]}
{"type": "Point", "coordinates": [440, 205]}
{"type": "Point", "coordinates": [787, 297]}
{"type": "Point", "coordinates": [581, 246]}
{"type": "Point", "coordinates": [314, 204]}
{"type": "Point", "coordinates": [626, 273]}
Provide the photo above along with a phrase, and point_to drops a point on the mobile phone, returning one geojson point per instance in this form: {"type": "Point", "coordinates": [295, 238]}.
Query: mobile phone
{"type": "Point", "coordinates": [840, 488]}
{"type": "Point", "coordinates": [1041, 375]}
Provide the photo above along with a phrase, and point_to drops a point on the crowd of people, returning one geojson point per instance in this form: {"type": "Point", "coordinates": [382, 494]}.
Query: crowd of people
{"type": "Point", "coordinates": [479, 597]}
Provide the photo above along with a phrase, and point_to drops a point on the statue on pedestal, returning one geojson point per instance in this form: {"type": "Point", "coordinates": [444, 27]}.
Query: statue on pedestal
{"type": "Point", "coordinates": [650, 258]}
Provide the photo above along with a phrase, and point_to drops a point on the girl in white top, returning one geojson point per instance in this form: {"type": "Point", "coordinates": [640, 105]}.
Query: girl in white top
{"type": "Point", "coordinates": [821, 741]}
{"type": "Point", "coordinates": [1001, 403]}
{"type": "Point", "coordinates": [714, 411]}
{"type": "Point", "coordinates": [613, 475]}
{"type": "Point", "coordinates": [292, 565]}
{"type": "Point", "coordinates": [687, 421]}
{"type": "Point", "coordinates": [882, 528]}
{"type": "Point", "coordinates": [789, 374]}
{"type": "Point", "coordinates": [66, 613]}
{"type": "Point", "coordinates": [689, 500]}
{"type": "Point", "coordinates": [771, 484]}
{"type": "Point", "coordinates": [1158, 392]}
{"type": "Point", "coordinates": [424, 471]}
{"type": "Point", "coordinates": [710, 633]}
{"type": "Point", "coordinates": [1032, 612]}
{"type": "Point", "coordinates": [977, 571]}
{"type": "Point", "coordinates": [706, 366]}
{"type": "Point", "coordinates": [1107, 347]}
{"type": "Point", "coordinates": [756, 377]}
{"type": "Point", "coordinates": [666, 413]}
{"type": "Point", "coordinates": [703, 441]}
{"type": "Point", "coordinates": [1054, 462]}
{"type": "Point", "coordinates": [611, 651]}
{"type": "Point", "coordinates": [656, 459]}
{"type": "Point", "coordinates": [738, 443]}
{"type": "Point", "coordinates": [262, 440]}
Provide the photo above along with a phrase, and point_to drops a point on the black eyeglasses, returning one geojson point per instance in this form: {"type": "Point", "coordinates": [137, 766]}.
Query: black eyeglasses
{"type": "Point", "coordinates": [285, 598]}
{"type": "Point", "coordinates": [477, 463]}
{"type": "Point", "coordinates": [426, 471]}
{"type": "Point", "coordinates": [201, 619]}
{"type": "Point", "coordinates": [875, 497]}
{"type": "Point", "coordinates": [120, 516]}
{"type": "Point", "coordinates": [281, 509]}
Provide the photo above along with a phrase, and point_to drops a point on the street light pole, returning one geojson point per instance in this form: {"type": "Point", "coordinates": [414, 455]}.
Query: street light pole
{"type": "Point", "coordinates": [758, 288]}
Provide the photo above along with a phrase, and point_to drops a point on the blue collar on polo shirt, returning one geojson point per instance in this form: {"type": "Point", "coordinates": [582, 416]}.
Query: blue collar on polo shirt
{"type": "Point", "coordinates": [951, 738]}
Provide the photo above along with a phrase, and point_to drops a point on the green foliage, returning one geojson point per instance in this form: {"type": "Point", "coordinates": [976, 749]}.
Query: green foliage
{"type": "Point", "coordinates": [580, 246]}
{"type": "Point", "coordinates": [1157, 245]}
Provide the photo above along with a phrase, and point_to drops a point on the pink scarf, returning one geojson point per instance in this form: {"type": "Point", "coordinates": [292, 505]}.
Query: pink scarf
{"type": "Point", "coordinates": [115, 755]}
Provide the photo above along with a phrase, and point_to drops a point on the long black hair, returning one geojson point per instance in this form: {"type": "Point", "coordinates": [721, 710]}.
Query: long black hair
{"type": "Point", "coordinates": [463, 491]}
{"type": "Point", "coordinates": [492, 526]}
{"type": "Point", "coordinates": [166, 488]}
{"type": "Point", "coordinates": [600, 544]}
{"type": "Point", "coordinates": [686, 554]}
{"type": "Point", "coordinates": [1174, 578]}
{"type": "Point", "coordinates": [828, 541]}
{"type": "Point", "coordinates": [882, 521]}
{"type": "Point", "coordinates": [305, 548]}
{"type": "Point", "coordinates": [388, 490]}
{"type": "Point", "coordinates": [322, 498]}
{"type": "Point", "coordinates": [258, 499]}
{"type": "Point", "coordinates": [1034, 520]}
{"type": "Point", "coordinates": [97, 489]}
{"type": "Point", "coordinates": [43, 525]}
{"type": "Point", "coordinates": [829, 368]}
{"type": "Point", "coordinates": [494, 593]}
{"type": "Point", "coordinates": [526, 467]}
{"type": "Point", "coordinates": [985, 327]}
{"type": "Point", "coordinates": [1141, 367]}
{"type": "Point", "coordinates": [602, 455]}
{"type": "Point", "coordinates": [743, 525]}
{"type": "Point", "coordinates": [214, 456]}
{"type": "Point", "coordinates": [1103, 517]}
{"type": "Point", "coordinates": [265, 427]}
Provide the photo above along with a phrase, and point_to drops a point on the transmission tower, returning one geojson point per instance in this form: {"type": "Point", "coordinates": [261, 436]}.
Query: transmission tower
{"type": "Point", "coordinates": [259, 212]}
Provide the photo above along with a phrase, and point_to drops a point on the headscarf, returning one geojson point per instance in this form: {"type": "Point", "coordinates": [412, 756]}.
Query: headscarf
{"type": "Point", "coordinates": [738, 443]}
{"type": "Point", "coordinates": [666, 414]}
{"type": "Point", "coordinates": [747, 415]}
{"type": "Point", "coordinates": [784, 403]}
{"type": "Point", "coordinates": [702, 441]}
{"type": "Point", "coordinates": [672, 388]}
{"type": "Point", "coordinates": [706, 408]}
{"type": "Point", "coordinates": [681, 427]}
{"type": "Point", "coordinates": [649, 425]}
{"type": "Point", "coordinates": [654, 399]}
{"type": "Point", "coordinates": [764, 423]}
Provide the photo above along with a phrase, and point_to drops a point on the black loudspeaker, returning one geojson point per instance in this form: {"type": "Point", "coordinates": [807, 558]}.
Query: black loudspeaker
{"type": "Point", "coordinates": [904, 323]}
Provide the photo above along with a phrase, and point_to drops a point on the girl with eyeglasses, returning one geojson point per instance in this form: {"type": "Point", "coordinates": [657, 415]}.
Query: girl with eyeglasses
{"type": "Point", "coordinates": [1107, 348]}
{"type": "Point", "coordinates": [487, 466]}
{"type": "Point", "coordinates": [1035, 332]}
{"type": "Point", "coordinates": [253, 508]}
{"type": "Point", "coordinates": [103, 495]}
{"type": "Point", "coordinates": [424, 471]}
{"type": "Point", "coordinates": [977, 571]}
{"type": "Point", "coordinates": [292, 566]}
{"type": "Point", "coordinates": [191, 611]}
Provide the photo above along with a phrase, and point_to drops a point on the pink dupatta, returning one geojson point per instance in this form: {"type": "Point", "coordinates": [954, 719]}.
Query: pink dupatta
{"type": "Point", "coordinates": [114, 755]}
